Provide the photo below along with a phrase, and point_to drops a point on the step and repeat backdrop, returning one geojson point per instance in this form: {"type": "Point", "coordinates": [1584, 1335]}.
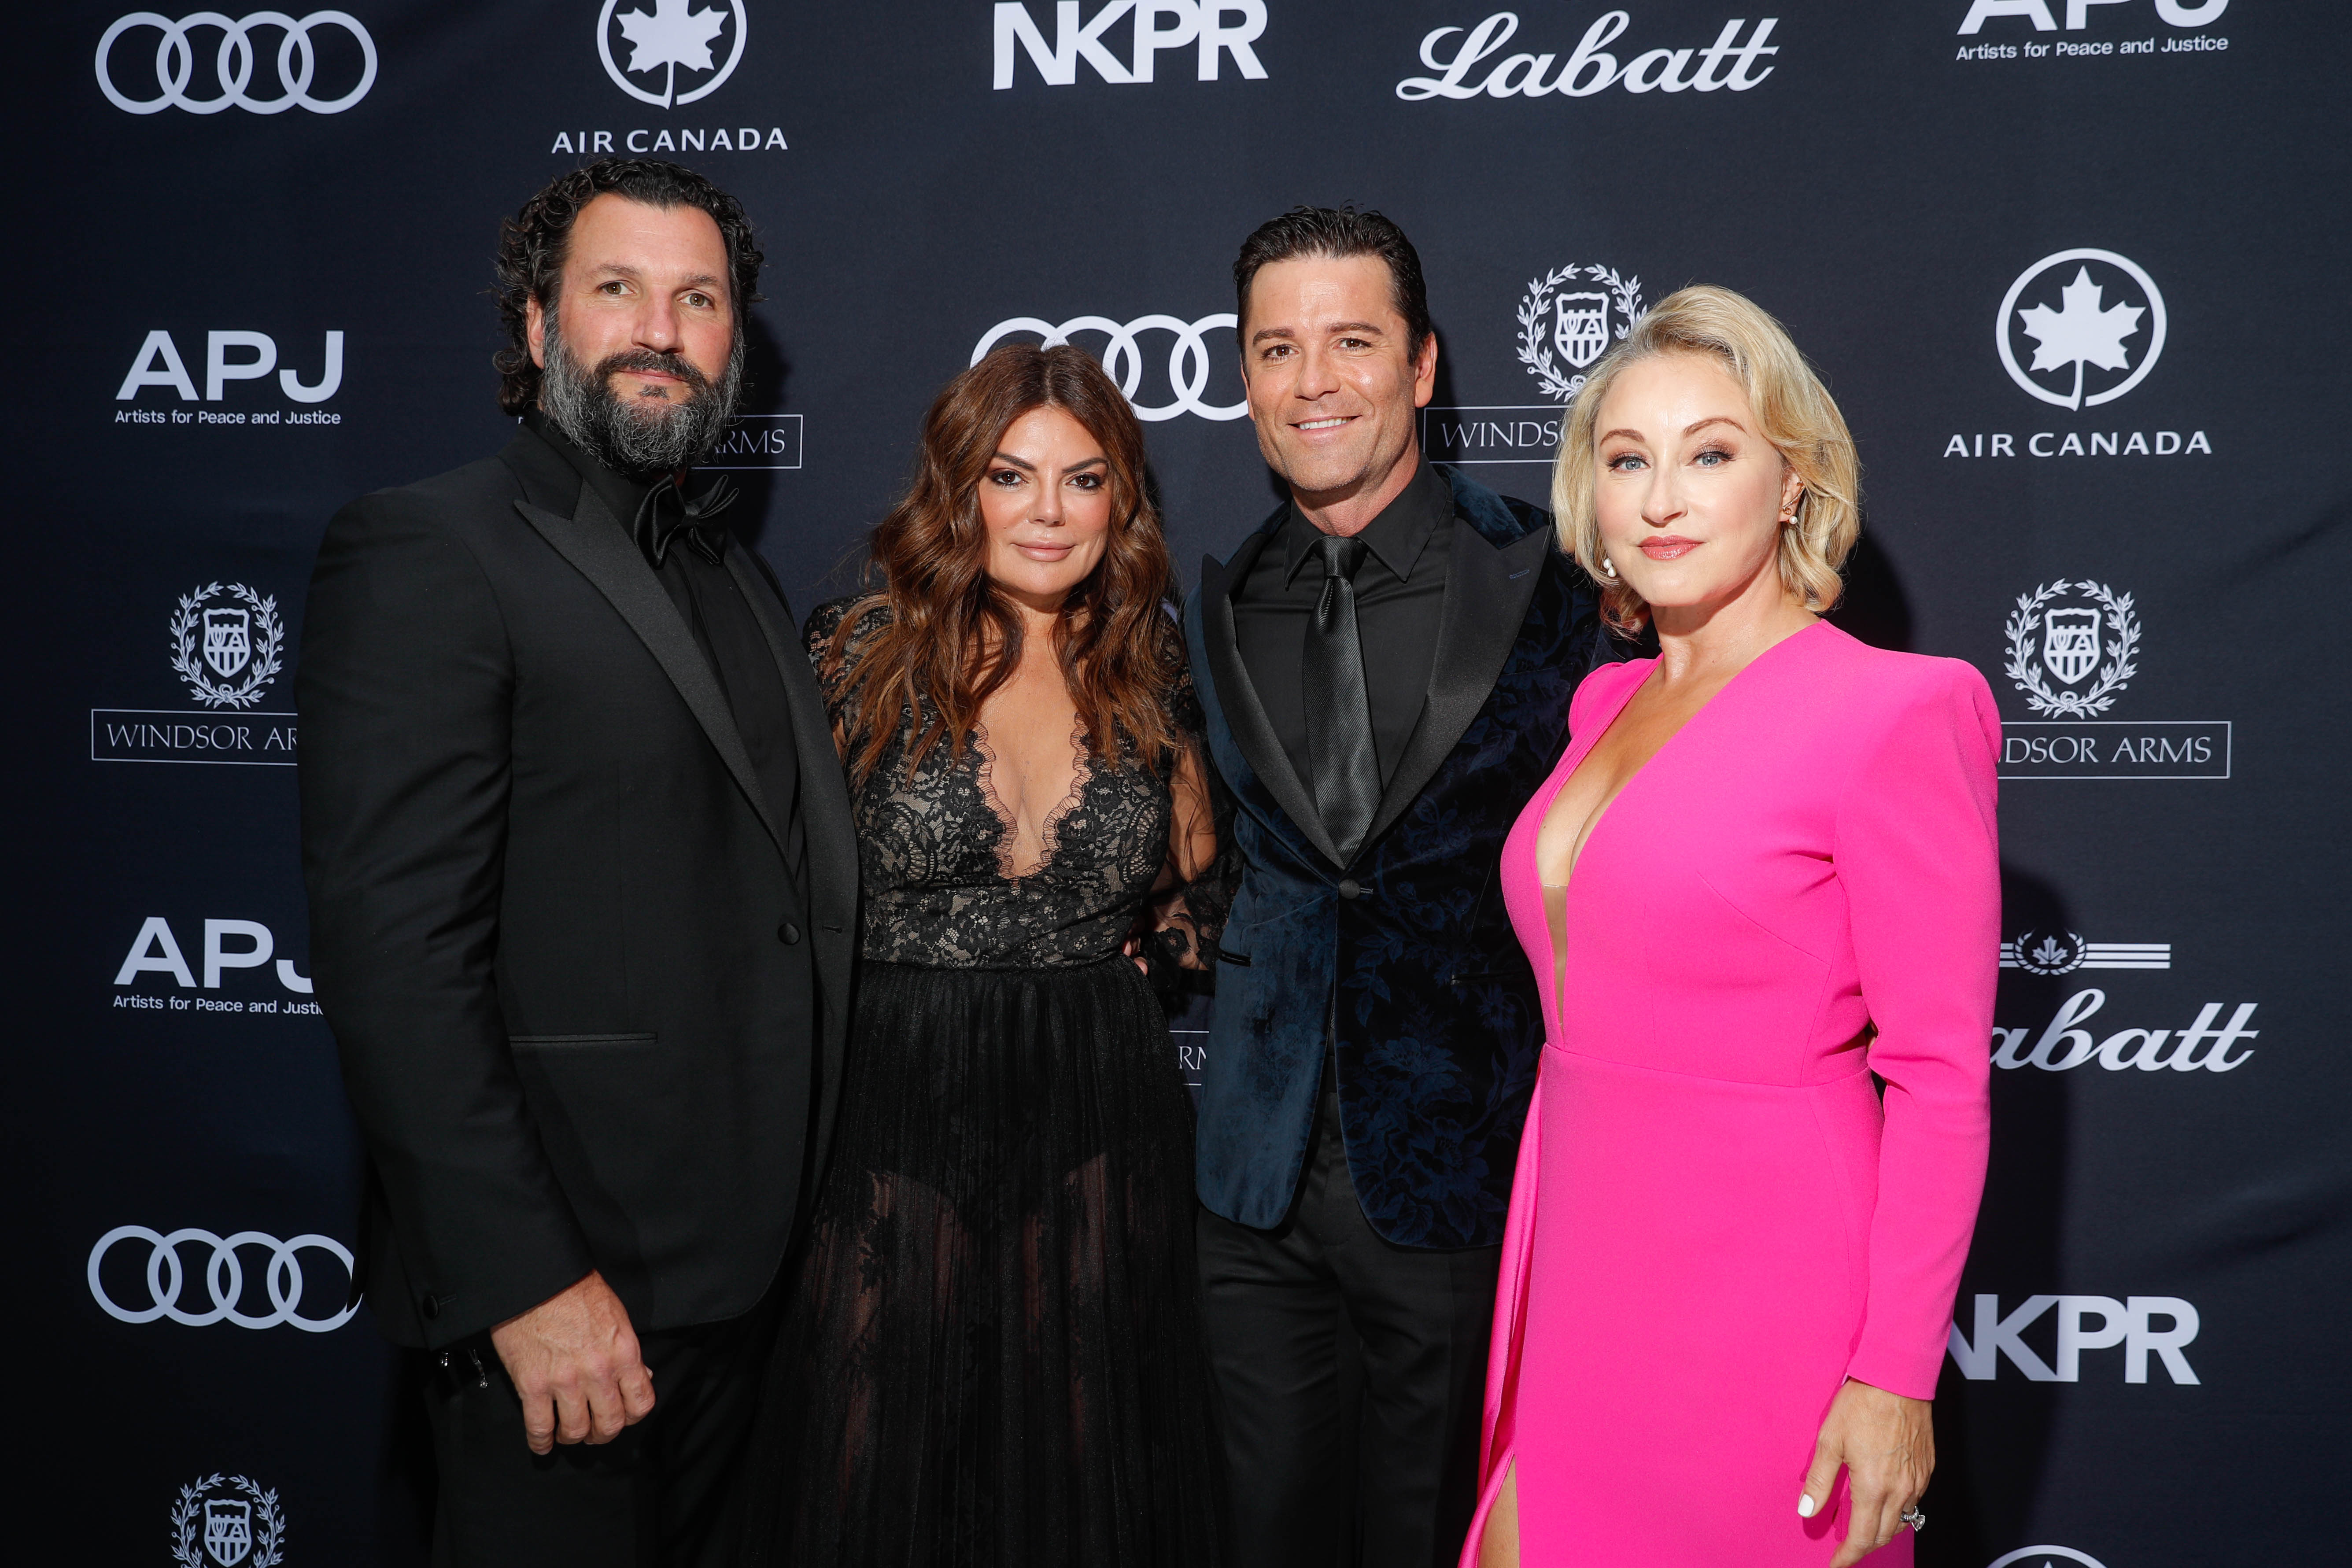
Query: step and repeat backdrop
{"type": "Point", "coordinates": [2076, 269]}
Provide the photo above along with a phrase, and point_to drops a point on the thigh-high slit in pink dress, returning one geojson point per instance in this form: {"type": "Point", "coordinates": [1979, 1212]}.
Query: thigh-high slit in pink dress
{"type": "Point", "coordinates": [1719, 1216]}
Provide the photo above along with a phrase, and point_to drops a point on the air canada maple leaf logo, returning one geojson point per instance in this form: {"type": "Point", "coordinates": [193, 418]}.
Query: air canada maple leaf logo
{"type": "Point", "coordinates": [2095, 326]}
{"type": "Point", "coordinates": [671, 36]}
{"type": "Point", "coordinates": [670, 46]}
{"type": "Point", "coordinates": [2081, 332]}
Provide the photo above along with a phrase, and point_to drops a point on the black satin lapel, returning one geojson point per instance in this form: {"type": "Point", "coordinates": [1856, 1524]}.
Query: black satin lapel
{"type": "Point", "coordinates": [1244, 714]}
{"type": "Point", "coordinates": [1488, 591]}
{"type": "Point", "coordinates": [827, 825]}
{"type": "Point", "coordinates": [594, 541]}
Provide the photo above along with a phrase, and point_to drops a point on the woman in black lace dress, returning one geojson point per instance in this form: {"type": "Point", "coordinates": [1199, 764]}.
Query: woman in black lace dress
{"type": "Point", "coordinates": [994, 1351]}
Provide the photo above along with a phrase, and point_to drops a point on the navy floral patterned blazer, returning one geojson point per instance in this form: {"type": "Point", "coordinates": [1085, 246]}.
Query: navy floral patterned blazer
{"type": "Point", "coordinates": [1438, 1022]}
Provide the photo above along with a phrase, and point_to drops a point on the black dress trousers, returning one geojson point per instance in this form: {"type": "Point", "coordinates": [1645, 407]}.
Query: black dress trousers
{"type": "Point", "coordinates": [1342, 1457]}
{"type": "Point", "coordinates": [664, 1494]}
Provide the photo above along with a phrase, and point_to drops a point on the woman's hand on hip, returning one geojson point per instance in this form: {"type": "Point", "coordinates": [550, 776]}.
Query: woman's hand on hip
{"type": "Point", "coordinates": [1887, 1443]}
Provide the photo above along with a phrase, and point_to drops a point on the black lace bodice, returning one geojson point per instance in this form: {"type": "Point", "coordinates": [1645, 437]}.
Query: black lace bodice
{"type": "Point", "coordinates": [939, 889]}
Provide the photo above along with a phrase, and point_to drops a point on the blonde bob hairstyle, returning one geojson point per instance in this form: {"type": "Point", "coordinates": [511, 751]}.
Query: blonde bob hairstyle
{"type": "Point", "coordinates": [1793, 409]}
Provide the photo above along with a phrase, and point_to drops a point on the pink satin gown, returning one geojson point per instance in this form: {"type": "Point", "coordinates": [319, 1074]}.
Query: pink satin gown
{"type": "Point", "coordinates": [1717, 1218]}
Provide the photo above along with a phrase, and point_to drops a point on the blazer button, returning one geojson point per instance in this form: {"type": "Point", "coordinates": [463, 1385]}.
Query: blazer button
{"type": "Point", "coordinates": [430, 1307]}
{"type": "Point", "coordinates": [788, 933]}
{"type": "Point", "coordinates": [1350, 889]}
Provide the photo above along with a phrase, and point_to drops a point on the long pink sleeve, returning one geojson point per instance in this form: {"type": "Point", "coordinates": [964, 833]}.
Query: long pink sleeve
{"type": "Point", "coordinates": [1916, 851]}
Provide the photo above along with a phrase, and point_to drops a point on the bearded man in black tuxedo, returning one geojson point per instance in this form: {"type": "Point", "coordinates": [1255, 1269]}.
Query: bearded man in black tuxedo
{"type": "Point", "coordinates": [582, 890]}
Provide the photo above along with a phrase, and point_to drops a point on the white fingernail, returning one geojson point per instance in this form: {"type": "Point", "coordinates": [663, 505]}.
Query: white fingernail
{"type": "Point", "coordinates": [1805, 1506]}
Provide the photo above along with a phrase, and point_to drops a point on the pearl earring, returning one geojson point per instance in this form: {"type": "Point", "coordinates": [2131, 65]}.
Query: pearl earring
{"type": "Point", "coordinates": [1607, 569]}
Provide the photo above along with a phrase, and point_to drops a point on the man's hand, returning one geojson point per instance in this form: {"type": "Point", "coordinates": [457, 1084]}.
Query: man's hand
{"type": "Point", "coordinates": [574, 1359]}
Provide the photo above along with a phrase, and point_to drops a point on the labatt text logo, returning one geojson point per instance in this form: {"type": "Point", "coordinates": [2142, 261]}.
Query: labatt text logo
{"type": "Point", "coordinates": [1731, 61]}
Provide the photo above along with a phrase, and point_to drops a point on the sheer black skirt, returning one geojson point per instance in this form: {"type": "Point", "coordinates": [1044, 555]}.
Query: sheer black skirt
{"type": "Point", "coordinates": [992, 1353]}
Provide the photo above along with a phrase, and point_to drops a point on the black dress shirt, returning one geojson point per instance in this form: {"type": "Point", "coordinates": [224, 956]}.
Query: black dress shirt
{"type": "Point", "coordinates": [728, 633]}
{"type": "Point", "coordinates": [1400, 598]}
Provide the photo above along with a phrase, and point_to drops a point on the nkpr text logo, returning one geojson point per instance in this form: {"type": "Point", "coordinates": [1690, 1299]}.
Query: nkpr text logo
{"type": "Point", "coordinates": [2146, 1327]}
{"type": "Point", "coordinates": [2091, 31]}
{"type": "Point", "coordinates": [2073, 649]}
{"type": "Point", "coordinates": [229, 647]}
{"type": "Point", "coordinates": [1216, 33]}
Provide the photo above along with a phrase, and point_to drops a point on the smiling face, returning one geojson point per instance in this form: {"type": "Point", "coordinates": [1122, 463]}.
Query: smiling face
{"type": "Point", "coordinates": [1045, 500]}
{"type": "Point", "coordinates": [1690, 498]}
{"type": "Point", "coordinates": [1333, 381]}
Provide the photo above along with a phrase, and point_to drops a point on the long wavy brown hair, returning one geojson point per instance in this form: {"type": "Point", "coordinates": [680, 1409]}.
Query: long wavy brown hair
{"type": "Point", "coordinates": [952, 637]}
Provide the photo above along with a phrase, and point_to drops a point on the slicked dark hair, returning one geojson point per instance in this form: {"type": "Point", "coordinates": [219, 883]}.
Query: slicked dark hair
{"type": "Point", "coordinates": [533, 243]}
{"type": "Point", "coordinates": [1337, 232]}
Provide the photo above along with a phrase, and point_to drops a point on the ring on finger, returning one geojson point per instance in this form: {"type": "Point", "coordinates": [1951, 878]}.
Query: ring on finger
{"type": "Point", "coordinates": [1915, 1519]}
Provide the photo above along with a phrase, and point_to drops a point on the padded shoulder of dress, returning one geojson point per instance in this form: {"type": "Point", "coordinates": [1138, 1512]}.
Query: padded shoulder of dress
{"type": "Point", "coordinates": [1604, 687]}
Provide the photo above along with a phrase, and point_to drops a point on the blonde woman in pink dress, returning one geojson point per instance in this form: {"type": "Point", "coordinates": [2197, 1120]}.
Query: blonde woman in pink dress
{"type": "Point", "coordinates": [1764, 885]}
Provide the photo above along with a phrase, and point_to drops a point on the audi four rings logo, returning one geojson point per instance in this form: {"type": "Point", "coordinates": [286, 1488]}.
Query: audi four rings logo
{"type": "Point", "coordinates": [1187, 358]}
{"type": "Point", "coordinates": [175, 62]}
{"type": "Point", "coordinates": [223, 1279]}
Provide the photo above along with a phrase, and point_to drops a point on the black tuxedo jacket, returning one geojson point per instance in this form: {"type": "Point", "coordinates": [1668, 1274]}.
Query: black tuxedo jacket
{"type": "Point", "coordinates": [587, 1014]}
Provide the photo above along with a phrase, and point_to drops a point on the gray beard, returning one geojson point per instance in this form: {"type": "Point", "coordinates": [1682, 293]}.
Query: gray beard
{"type": "Point", "coordinates": [637, 435]}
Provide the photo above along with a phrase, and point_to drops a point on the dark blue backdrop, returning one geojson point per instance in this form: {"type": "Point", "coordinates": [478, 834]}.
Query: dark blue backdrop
{"type": "Point", "coordinates": [2075, 271]}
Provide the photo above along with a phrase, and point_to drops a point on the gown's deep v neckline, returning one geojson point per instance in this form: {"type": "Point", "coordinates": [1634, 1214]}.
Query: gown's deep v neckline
{"type": "Point", "coordinates": [1555, 894]}
{"type": "Point", "coordinates": [1049, 828]}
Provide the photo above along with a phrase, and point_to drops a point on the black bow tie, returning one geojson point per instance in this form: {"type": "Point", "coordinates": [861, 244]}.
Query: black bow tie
{"type": "Point", "coordinates": [665, 513]}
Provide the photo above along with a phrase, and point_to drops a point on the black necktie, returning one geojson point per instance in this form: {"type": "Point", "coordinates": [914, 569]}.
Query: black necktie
{"type": "Point", "coordinates": [1338, 710]}
{"type": "Point", "coordinates": [665, 513]}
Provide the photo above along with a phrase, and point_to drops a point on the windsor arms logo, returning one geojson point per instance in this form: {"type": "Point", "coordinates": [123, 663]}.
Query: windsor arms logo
{"type": "Point", "coordinates": [2073, 649]}
{"type": "Point", "coordinates": [1566, 320]}
{"type": "Point", "coordinates": [227, 1522]}
{"type": "Point", "coordinates": [229, 645]}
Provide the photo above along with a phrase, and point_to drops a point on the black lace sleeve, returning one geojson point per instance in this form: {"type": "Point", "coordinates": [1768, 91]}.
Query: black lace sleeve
{"type": "Point", "coordinates": [1196, 885]}
{"type": "Point", "coordinates": [817, 636]}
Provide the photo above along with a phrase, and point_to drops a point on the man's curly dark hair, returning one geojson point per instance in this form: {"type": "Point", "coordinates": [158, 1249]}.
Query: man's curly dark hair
{"type": "Point", "coordinates": [532, 245]}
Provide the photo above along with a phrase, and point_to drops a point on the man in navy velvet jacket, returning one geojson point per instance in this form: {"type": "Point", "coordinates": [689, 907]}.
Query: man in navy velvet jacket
{"type": "Point", "coordinates": [1386, 666]}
